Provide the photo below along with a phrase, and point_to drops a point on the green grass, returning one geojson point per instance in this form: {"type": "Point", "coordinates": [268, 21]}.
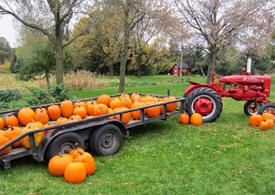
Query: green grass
{"type": "Point", "coordinates": [164, 157]}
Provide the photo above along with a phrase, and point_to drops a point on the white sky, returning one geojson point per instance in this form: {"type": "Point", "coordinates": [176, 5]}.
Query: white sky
{"type": "Point", "coordinates": [7, 30]}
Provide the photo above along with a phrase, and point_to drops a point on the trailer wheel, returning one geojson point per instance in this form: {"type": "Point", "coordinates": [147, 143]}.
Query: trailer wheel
{"type": "Point", "coordinates": [63, 144]}
{"type": "Point", "coordinates": [251, 107]}
{"type": "Point", "coordinates": [270, 108]}
{"type": "Point", "coordinates": [106, 140]}
{"type": "Point", "coordinates": [206, 102]}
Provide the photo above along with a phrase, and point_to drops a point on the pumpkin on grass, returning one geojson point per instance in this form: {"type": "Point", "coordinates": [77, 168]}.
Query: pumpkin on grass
{"type": "Point", "coordinates": [88, 161]}
{"type": "Point", "coordinates": [58, 163]}
{"type": "Point", "coordinates": [26, 115]}
{"type": "Point", "coordinates": [104, 99]}
{"type": "Point", "coordinates": [11, 121]}
{"type": "Point", "coordinates": [54, 112]}
{"type": "Point", "coordinates": [255, 119]}
{"type": "Point", "coordinates": [2, 123]}
{"type": "Point", "coordinates": [81, 111]}
{"type": "Point", "coordinates": [267, 115]}
{"type": "Point", "coordinates": [184, 118]}
{"type": "Point", "coordinates": [41, 115]}
{"type": "Point", "coordinates": [75, 172]}
{"type": "Point", "coordinates": [270, 123]}
{"type": "Point", "coordinates": [12, 133]}
{"type": "Point", "coordinates": [76, 152]}
{"type": "Point", "coordinates": [3, 141]}
{"type": "Point", "coordinates": [196, 119]}
{"type": "Point", "coordinates": [67, 108]}
{"type": "Point", "coordinates": [37, 136]}
{"type": "Point", "coordinates": [264, 125]}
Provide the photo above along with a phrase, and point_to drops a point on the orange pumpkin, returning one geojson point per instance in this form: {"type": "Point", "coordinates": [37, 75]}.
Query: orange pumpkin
{"type": "Point", "coordinates": [196, 119]}
{"type": "Point", "coordinates": [268, 116]}
{"type": "Point", "coordinates": [126, 117]}
{"type": "Point", "coordinates": [264, 125]}
{"type": "Point", "coordinates": [76, 104]}
{"type": "Point", "coordinates": [41, 115]}
{"type": "Point", "coordinates": [172, 106]}
{"type": "Point", "coordinates": [135, 97]}
{"type": "Point", "coordinates": [100, 109]}
{"type": "Point", "coordinates": [2, 123]}
{"type": "Point", "coordinates": [37, 136]}
{"type": "Point", "coordinates": [75, 172]}
{"type": "Point", "coordinates": [88, 161]}
{"type": "Point", "coordinates": [125, 96]}
{"type": "Point", "coordinates": [270, 123]}
{"type": "Point", "coordinates": [152, 112]}
{"type": "Point", "coordinates": [75, 118]}
{"type": "Point", "coordinates": [47, 125]}
{"type": "Point", "coordinates": [12, 133]}
{"type": "Point", "coordinates": [58, 163]}
{"type": "Point", "coordinates": [62, 120]}
{"type": "Point", "coordinates": [76, 152]}
{"type": "Point", "coordinates": [104, 99]}
{"type": "Point", "coordinates": [26, 115]}
{"type": "Point", "coordinates": [67, 108]}
{"type": "Point", "coordinates": [137, 114]}
{"type": "Point", "coordinates": [184, 118]}
{"type": "Point", "coordinates": [54, 112]}
{"type": "Point", "coordinates": [126, 102]}
{"type": "Point", "coordinates": [90, 108]}
{"type": "Point", "coordinates": [3, 141]}
{"type": "Point", "coordinates": [11, 121]}
{"type": "Point", "coordinates": [149, 99]}
{"type": "Point", "coordinates": [3, 132]}
{"type": "Point", "coordinates": [115, 103]}
{"type": "Point", "coordinates": [81, 111]}
{"type": "Point", "coordinates": [255, 120]}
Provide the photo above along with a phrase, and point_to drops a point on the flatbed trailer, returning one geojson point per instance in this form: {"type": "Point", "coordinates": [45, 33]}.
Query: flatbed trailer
{"type": "Point", "coordinates": [103, 136]}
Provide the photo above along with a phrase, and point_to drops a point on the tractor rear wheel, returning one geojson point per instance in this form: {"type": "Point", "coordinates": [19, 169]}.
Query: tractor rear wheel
{"type": "Point", "coordinates": [206, 102]}
{"type": "Point", "coordinates": [270, 108]}
{"type": "Point", "coordinates": [251, 107]}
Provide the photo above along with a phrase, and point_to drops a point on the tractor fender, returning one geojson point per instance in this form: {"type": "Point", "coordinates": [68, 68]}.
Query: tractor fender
{"type": "Point", "coordinates": [195, 86]}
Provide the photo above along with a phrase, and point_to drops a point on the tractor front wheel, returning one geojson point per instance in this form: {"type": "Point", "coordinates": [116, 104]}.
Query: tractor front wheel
{"type": "Point", "coordinates": [206, 102]}
{"type": "Point", "coordinates": [251, 107]}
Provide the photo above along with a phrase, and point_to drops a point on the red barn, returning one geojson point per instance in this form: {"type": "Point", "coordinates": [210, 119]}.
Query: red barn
{"type": "Point", "coordinates": [181, 69]}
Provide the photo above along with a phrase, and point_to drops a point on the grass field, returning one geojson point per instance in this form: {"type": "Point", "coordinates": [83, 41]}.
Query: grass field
{"type": "Point", "coordinates": [164, 157]}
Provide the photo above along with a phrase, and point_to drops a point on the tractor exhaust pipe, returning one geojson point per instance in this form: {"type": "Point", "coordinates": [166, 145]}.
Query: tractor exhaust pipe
{"type": "Point", "coordinates": [249, 62]}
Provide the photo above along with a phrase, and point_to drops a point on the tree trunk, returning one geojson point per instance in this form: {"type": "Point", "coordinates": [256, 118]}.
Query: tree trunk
{"type": "Point", "coordinates": [111, 69]}
{"type": "Point", "coordinates": [123, 61]}
{"type": "Point", "coordinates": [139, 66]}
{"type": "Point", "coordinates": [213, 62]}
{"type": "Point", "coordinates": [59, 62]}
{"type": "Point", "coordinates": [47, 75]}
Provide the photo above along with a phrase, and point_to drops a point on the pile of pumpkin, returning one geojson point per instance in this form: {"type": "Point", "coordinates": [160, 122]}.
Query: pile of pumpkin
{"type": "Point", "coordinates": [263, 122]}
{"type": "Point", "coordinates": [27, 119]}
{"type": "Point", "coordinates": [195, 119]}
{"type": "Point", "coordinates": [74, 166]}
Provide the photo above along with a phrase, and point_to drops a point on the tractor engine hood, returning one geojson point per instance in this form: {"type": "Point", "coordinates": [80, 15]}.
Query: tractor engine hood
{"type": "Point", "coordinates": [246, 79]}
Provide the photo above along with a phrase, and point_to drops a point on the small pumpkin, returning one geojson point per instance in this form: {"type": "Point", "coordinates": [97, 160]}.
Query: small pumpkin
{"type": "Point", "coordinates": [58, 163]}
{"type": "Point", "coordinates": [67, 108]}
{"type": "Point", "coordinates": [267, 115]}
{"type": "Point", "coordinates": [12, 133]}
{"type": "Point", "coordinates": [255, 119]}
{"type": "Point", "coordinates": [2, 123]}
{"type": "Point", "coordinates": [75, 118]}
{"type": "Point", "coordinates": [184, 118]}
{"type": "Point", "coordinates": [81, 111]}
{"type": "Point", "coordinates": [264, 125]}
{"type": "Point", "coordinates": [126, 117]}
{"type": "Point", "coordinates": [54, 112]}
{"type": "Point", "coordinates": [196, 119]}
{"type": "Point", "coordinates": [37, 136]}
{"type": "Point", "coordinates": [270, 123]}
{"type": "Point", "coordinates": [3, 141]}
{"type": "Point", "coordinates": [100, 109]}
{"type": "Point", "coordinates": [11, 121]}
{"type": "Point", "coordinates": [135, 97]}
{"type": "Point", "coordinates": [76, 152]}
{"type": "Point", "coordinates": [26, 115]}
{"type": "Point", "coordinates": [75, 172]}
{"type": "Point", "coordinates": [62, 120]}
{"type": "Point", "coordinates": [104, 99]}
{"type": "Point", "coordinates": [41, 115]}
{"type": "Point", "coordinates": [115, 103]}
{"type": "Point", "coordinates": [126, 102]}
{"type": "Point", "coordinates": [76, 104]}
{"type": "Point", "coordinates": [88, 161]}
{"type": "Point", "coordinates": [90, 108]}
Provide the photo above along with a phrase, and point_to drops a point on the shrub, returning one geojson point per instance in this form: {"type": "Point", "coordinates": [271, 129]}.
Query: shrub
{"type": "Point", "coordinates": [59, 92]}
{"type": "Point", "coordinates": [39, 96]}
{"type": "Point", "coordinates": [9, 95]}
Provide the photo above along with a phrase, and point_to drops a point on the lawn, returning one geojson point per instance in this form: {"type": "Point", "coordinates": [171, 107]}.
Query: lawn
{"type": "Point", "coordinates": [164, 157]}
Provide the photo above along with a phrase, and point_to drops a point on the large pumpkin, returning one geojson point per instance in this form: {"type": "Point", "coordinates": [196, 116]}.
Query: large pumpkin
{"type": "Point", "coordinates": [67, 108]}
{"type": "Point", "coordinates": [54, 112]}
{"type": "Point", "coordinates": [12, 133]}
{"type": "Point", "coordinates": [11, 121]}
{"type": "Point", "coordinates": [37, 136]}
{"type": "Point", "coordinates": [41, 115]}
{"type": "Point", "coordinates": [75, 172]}
{"type": "Point", "coordinates": [91, 107]}
{"type": "Point", "coordinates": [137, 114]}
{"type": "Point", "coordinates": [81, 111]}
{"type": "Point", "coordinates": [2, 123]}
{"type": "Point", "coordinates": [115, 103]}
{"type": "Point", "coordinates": [152, 112]}
{"type": "Point", "coordinates": [100, 109]}
{"type": "Point", "coordinates": [126, 102]}
{"type": "Point", "coordinates": [104, 99]}
{"type": "Point", "coordinates": [3, 141]}
{"type": "Point", "coordinates": [88, 161]}
{"type": "Point", "coordinates": [58, 163]}
{"type": "Point", "coordinates": [26, 115]}
{"type": "Point", "coordinates": [255, 119]}
{"type": "Point", "coordinates": [196, 119]}
{"type": "Point", "coordinates": [264, 125]}
{"type": "Point", "coordinates": [126, 117]}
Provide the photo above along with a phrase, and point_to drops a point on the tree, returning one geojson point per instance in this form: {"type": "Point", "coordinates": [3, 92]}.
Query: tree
{"type": "Point", "coordinates": [218, 22]}
{"type": "Point", "coordinates": [50, 17]}
{"type": "Point", "coordinates": [4, 50]}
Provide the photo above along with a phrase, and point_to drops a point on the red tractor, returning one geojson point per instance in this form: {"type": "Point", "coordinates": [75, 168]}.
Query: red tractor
{"type": "Point", "coordinates": [206, 98]}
